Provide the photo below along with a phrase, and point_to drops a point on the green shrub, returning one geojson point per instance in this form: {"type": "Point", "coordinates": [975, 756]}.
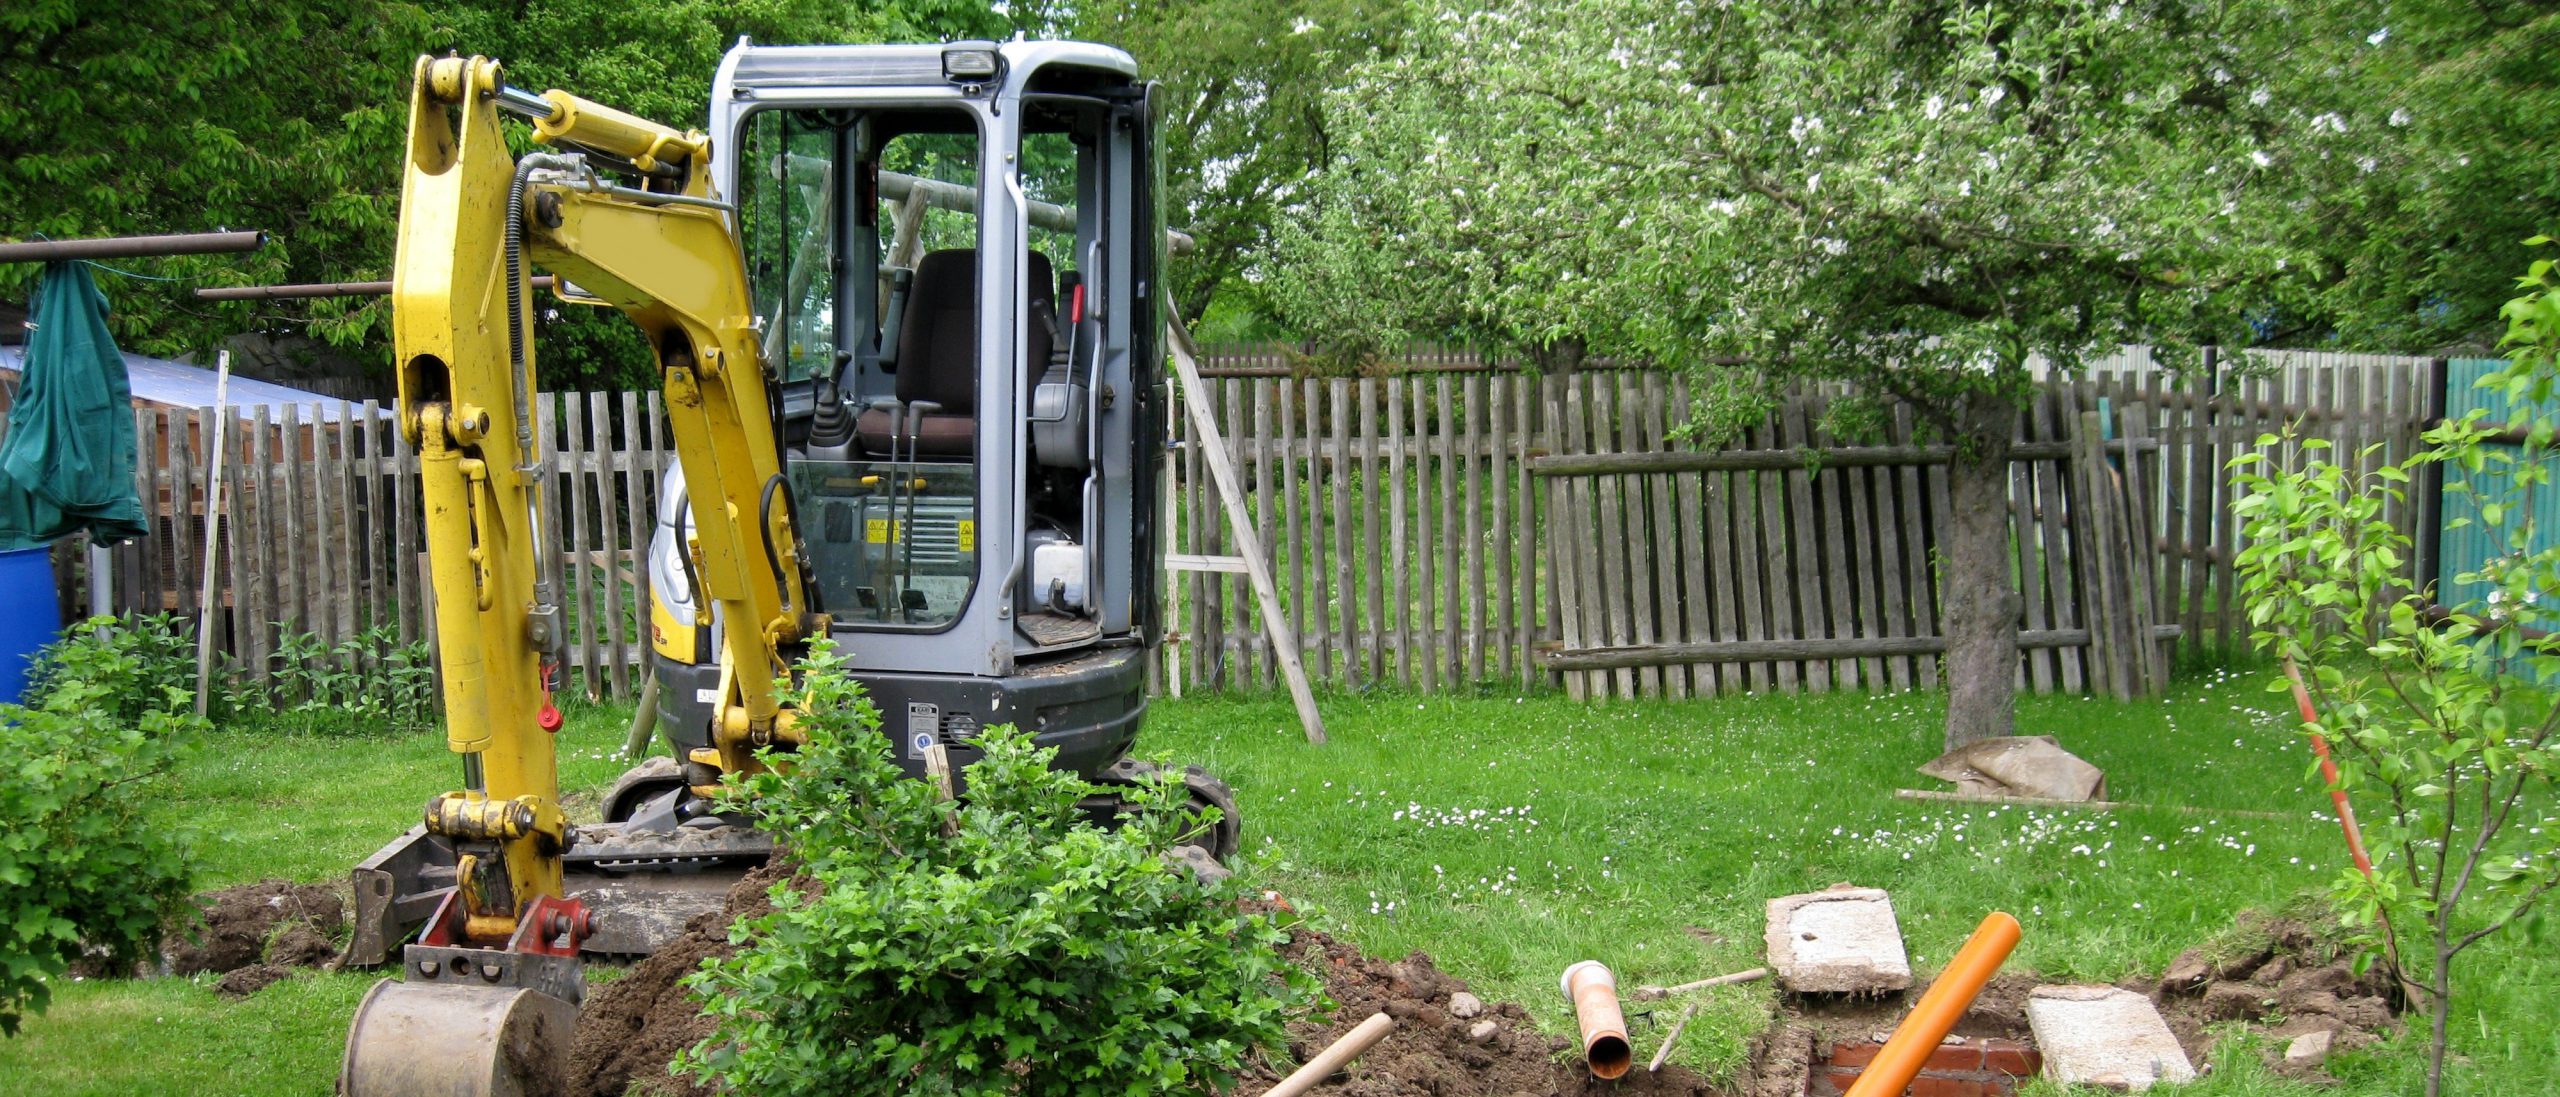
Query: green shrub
{"type": "Point", "coordinates": [122, 666]}
{"type": "Point", "coordinates": [1016, 950]}
{"type": "Point", "coordinates": [88, 863]}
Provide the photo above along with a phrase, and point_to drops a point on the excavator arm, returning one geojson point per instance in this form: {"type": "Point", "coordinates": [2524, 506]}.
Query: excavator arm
{"type": "Point", "coordinates": [474, 222]}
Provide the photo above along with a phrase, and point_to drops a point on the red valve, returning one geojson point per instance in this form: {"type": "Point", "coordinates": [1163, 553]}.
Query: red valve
{"type": "Point", "coordinates": [549, 718]}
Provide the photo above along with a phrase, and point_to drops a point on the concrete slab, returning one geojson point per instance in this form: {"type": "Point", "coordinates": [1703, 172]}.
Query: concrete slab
{"type": "Point", "coordinates": [1840, 941]}
{"type": "Point", "coordinates": [2100, 1035]}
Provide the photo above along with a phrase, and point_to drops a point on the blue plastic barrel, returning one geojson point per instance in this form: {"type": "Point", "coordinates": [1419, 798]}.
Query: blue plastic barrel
{"type": "Point", "coordinates": [30, 618]}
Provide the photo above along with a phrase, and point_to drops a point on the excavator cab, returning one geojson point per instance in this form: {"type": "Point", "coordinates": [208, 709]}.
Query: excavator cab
{"type": "Point", "coordinates": [956, 251]}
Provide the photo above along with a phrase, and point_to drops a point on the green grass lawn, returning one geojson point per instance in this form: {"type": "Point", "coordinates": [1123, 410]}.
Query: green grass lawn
{"type": "Point", "coordinates": [1507, 836]}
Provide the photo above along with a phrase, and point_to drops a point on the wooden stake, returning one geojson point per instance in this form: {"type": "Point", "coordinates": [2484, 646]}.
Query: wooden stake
{"type": "Point", "coordinates": [212, 532]}
{"type": "Point", "coordinates": [1668, 1042]}
{"type": "Point", "coordinates": [1213, 446]}
{"type": "Point", "coordinates": [1651, 993]}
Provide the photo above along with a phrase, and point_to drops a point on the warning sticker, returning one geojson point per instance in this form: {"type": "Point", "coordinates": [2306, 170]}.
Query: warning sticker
{"type": "Point", "coordinates": [879, 531]}
{"type": "Point", "coordinates": [968, 535]}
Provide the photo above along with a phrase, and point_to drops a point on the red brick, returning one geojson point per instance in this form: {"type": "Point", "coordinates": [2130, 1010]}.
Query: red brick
{"type": "Point", "coordinates": [1854, 1053]}
{"type": "Point", "coordinates": [2012, 1058]}
{"type": "Point", "coordinates": [1952, 1057]}
{"type": "Point", "coordinates": [1926, 1086]}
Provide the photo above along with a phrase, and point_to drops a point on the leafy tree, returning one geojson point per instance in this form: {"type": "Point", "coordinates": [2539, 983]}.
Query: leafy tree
{"type": "Point", "coordinates": [2451, 723]}
{"type": "Point", "coordinates": [1245, 120]}
{"type": "Point", "coordinates": [1001, 945]}
{"type": "Point", "coordinates": [289, 116]}
{"type": "Point", "coordinates": [1923, 198]}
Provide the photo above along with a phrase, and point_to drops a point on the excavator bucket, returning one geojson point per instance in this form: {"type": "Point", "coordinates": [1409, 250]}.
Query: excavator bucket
{"type": "Point", "coordinates": [417, 1038]}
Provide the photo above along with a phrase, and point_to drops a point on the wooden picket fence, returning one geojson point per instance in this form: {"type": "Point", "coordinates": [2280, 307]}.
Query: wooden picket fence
{"type": "Point", "coordinates": [321, 530]}
{"type": "Point", "coordinates": [1448, 528]}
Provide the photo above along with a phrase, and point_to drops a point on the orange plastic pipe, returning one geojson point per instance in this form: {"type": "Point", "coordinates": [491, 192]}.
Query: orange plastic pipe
{"type": "Point", "coordinates": [1939, 1009]}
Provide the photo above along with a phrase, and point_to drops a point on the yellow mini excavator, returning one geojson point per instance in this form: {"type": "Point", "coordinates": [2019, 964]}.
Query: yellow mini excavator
{"type": "Point", "coordinates": [907, 309]}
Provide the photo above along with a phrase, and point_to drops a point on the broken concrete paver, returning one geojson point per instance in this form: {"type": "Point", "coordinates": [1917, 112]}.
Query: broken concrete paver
{"type": "Point", "coordinates": [1840, 941]}
{"type": "Point", "coordinates": [2095, 1034]}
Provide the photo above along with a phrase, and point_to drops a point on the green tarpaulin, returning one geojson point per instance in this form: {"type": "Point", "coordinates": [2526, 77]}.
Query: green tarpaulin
{"type": "Point", "coordinates": [67, 462]}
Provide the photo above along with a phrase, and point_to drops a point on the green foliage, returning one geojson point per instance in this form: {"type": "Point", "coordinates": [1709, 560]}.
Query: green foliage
{"type": "Point", "coordinates": [2448, 724]}
{"type": "Point", "coordinates": [290, 116]}
{"type": "Point", "coordinates": [89, 865]}
{"type": "Point", "coordinates": [120, 667]}
{"type": "Point", "coordinates": [999, 945]}
{"type": "Point", "coordinates": [371, 676]}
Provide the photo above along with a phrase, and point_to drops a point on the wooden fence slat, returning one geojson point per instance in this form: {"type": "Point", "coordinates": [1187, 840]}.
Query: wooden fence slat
{"type": "Point", "coordinates": [1831, 523]}
{"type": "Point", "coordinates": [1400, 555]}
{"type": "Point", "coordinates": [1296, 592]}
{"type": "Point", "coordinates": [1537, 572]}
{"type": "Point", "coordinates": [1426, 585]}
{"type": "Point", "coordinates": [186, 541]}
{"type": "Point", "coordinates": [602, 456]}
{"type": "Point", "coordinates": [1318, 544]}
{"type": "Point", "coordinates": [1807, 545]}
{"type": "Point", "coordinates": [1863, 550]}
{"type": "Point", "coordinates": [1452, 656]}
{"type": "Point", "coordinates": [1472, 408]}
{"type": "Point", "coordinates": [639, 523]}
{"type": "Point", "coordinates": [2054, 497]}
{"type": "Point", "coordinates": [342, 469]}
{"type": "Point", "coordinates": [265, 533]}
{"type": "Point", "coordinates": [1663, 540]}
{"type": "Point", "coordinates": [2035, 559]}
{"type": "Point", "coordinates": [1613, 595]}
{"type": "Point", "coordinates": [1344, 623]}
{"type": "Point", "coordinates": [1503, 631]}
{"type": "Point", "coordinates": [1568, 528]}
{"type": "Point", "coordinates": [1372, 532]}
{"type": "Point", "coordinates": [1691, 500]}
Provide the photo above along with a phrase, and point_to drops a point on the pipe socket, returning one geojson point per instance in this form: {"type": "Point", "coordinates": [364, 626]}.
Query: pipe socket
{"type": "Point", "coordinates": [1593, 990]}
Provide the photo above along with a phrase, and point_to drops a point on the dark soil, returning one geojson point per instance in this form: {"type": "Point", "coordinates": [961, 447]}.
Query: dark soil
{"type": "Point", "coordinates": [2280, 977]}
{"type": "Point", "coordinates": [255, 934]}
{"type": "Point", "coordinates": [1430, 1054]}
{"type": "Point", "coordinates": [633, 1026]}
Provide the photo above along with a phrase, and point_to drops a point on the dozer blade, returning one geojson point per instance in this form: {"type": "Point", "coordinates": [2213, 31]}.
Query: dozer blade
{"type": "Point", "coordinates": [426, 1038]}
{"type": "Point", "coordinates": [642, 885]}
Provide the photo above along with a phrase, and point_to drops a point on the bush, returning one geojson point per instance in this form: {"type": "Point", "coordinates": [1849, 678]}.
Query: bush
{"type": "Point", "coordinates": [1001, 945]}
{"type": "Point", "coordinates": [122, 667]}
{"type": "Point", "coordinates": [88, 865]}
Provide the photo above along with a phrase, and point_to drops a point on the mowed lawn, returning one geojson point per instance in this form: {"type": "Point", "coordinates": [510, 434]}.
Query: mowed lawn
{"type": "Point", "coordinates": [1508, 836]}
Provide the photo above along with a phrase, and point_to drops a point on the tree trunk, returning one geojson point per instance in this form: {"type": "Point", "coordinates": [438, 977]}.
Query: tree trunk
{"type": "Point", "coordinates": [1980, 594]}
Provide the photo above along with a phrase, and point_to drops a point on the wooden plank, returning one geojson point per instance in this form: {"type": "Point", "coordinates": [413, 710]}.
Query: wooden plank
{"type": "Point", "coordinates": [185, 539]}
{"type": "Point", "coordinates": [1339, 480]}
{"type": "Point", "coordinates": [1615, 592]}
{"type": "Point", "coordinates": [1295, 549]}
{"type": "Point", "coordinates": [2035, 558]}
{"type": "Point", "coordinates": [263, 531]}
{"type": "Point", "coordinates": [1756, 570]}
{"type": "Point", "coordinates": [639, 522]}
{"type": "Point", "coordinates": [1317, 547]}
{"type": "Point", "coordinates": [1862, 549]}
{"type": "Point", "coordinates": [342, 472]}
{"type": "Point", "coordinates": [604, 457]}
{"type": "Point", "coordinates": [2176, 454]}
{"type": "Point", "coordinates": [1662, 533]}
{"type": "Point", "coordinates": [2237, 429]}
{"type": "Point", "coordinates": [1477, 633]}
{"type": "Point", "coordinates": [1536, 570]}
{"type": "Point", "coordinates": [2046, 419]}
{"type": "Point", "coordinates": [1832, 524]}
{"type": "Point", "coordinates": [1372, 533]}
{"type": "Point", "coordinates": [1426, 550]}
{"type": "Point", "coordinates": [576, 594]}
{"type": "Point", "coordinates": [292, 550]}
{"type": "Point", "coordinates": [1807, 542]}
{"type": "Point", "coordinates": [1567, 519]}
{"type": "Point", "coordinates": [547, 421]}
{"type": "Point", "coordinates": [1263, 451]}
{"type": "Point", "coordinates": [323, 579]}
{"type": "Point", "coordinates": [1817, 649]}
{"type": "Point", "coordinates": [372, 495]}
{"type": "Point", "coordinates": [1400, 556]}
{"type": "Point", "coordinates": [1195, 540]}
{"type": "Point", "coordinates": [1452, 659]}
{"type": "Point", "coordinates": [1502, 632]}
{"type": "Point", "coordinates": [2204, 493]}
{"type": "Point", "coordinates": [1690, 501]}
{"type": "Point", "coordinates": [2143, 554]}
{"type": "Point", "coordinates": [1916, 520]}
{"type": "Point", "coordinates": [1893, 587]}
{"type": "Point", "coordinates": [1187, 370]}
{"type": "Point", "coordinates": [1233, 602]}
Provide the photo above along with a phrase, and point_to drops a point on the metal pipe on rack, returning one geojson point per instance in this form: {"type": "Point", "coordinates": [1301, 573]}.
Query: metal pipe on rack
{"type": "Point", "coordinates": [316, 289]}
{"type": "Point", "coordinates": [131, 247]}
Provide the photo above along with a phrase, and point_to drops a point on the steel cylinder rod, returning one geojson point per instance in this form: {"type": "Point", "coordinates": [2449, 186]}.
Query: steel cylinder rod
{"type": "Point", "coordinates": [131, 247]}
{"type": "Point", "coordinates": [315, 289]}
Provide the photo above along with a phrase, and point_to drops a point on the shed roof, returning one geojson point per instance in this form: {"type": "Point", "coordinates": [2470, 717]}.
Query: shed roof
{"type": "Point", "coordinates": [179, 385]}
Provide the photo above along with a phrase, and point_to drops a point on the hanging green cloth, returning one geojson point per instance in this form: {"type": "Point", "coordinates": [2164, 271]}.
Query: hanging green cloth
{"type": "Point", "coordinates": [67, 462]}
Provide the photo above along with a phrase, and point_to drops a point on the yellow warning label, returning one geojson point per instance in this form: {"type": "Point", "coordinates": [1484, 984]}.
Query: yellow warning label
{"type": "Point", "coordinates": [968, 536]}
{"type": "Point", "coordinates": [879, 531]}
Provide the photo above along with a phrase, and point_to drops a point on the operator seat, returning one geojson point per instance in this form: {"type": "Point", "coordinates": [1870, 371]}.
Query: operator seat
{"type": "Point", "coordinates": [938, 354]}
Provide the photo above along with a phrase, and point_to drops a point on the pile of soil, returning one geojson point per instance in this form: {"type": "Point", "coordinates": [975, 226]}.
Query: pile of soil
{"type": "Point", "coordinates": [632, 1027]}
{"type": "Point", "coordinates": [1432, 1052]}
{"type": "Point", "coordinates": [254, 935]}
{"type": "Point", "coordinates": [2283, 979]}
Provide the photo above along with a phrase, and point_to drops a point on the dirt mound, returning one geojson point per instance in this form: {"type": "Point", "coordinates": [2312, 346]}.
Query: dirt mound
{"type": "Point", "coordinates": [271, 922]}
{"type": "Point", "coordinates": [2283, 979]}
{"type": "Point", "coordinates": [633, 1026]}
{"type": "Point", "coordinates": [1432, 1051]}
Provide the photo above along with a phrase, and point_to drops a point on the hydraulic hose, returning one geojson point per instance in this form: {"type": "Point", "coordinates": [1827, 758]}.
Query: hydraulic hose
{"type": "Point", "coordinates": [530, 465]}
{"type": "Point", "coordinates": [764, 526]}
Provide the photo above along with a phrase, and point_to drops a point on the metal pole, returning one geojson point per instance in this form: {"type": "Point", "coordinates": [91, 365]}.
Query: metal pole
{"type": "Point", "coordinates": [131, 247]}
{"type": "Point", "coordinates": [316, 289]}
